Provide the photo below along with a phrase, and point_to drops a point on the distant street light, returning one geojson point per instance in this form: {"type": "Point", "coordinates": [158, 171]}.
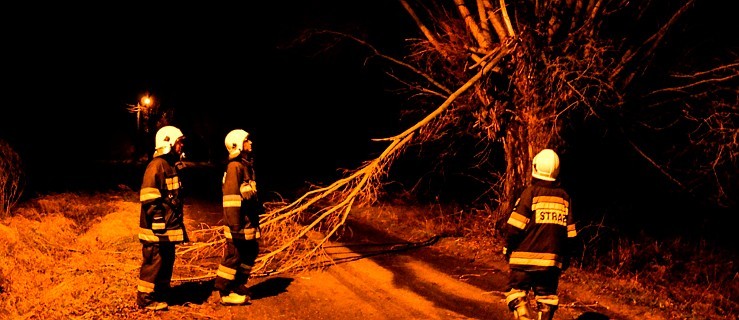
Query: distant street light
{"type": "Point", "coordinates": [142, 108]}
{"type": "Point", "coordinates": [144, 104]}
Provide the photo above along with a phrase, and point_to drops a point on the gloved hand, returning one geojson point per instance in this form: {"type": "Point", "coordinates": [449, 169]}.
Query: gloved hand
{"type": "Point", "coordinates": [158, 224]}
{"type": "Point", "coordinates": [248, 190]}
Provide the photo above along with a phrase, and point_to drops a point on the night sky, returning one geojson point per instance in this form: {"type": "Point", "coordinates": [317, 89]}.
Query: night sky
{"type": "Point", "coordinates": [71, 72]}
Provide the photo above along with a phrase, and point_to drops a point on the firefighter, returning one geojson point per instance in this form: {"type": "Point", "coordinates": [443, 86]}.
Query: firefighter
{"type": "Point", "coordinates": [540, 232]}
{"type": "Point", "coordinates": [241, 210]}
{"type": "Point", "coordinates": [161, 222]}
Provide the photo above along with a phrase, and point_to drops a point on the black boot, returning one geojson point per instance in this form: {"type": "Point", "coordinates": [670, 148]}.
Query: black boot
{"type": "Point", "coordinates": [148, 301]}
{"type": "Point", "coordinates": [546, 311]}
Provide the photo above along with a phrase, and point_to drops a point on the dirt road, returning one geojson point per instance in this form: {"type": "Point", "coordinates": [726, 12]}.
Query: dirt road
{"type": "Point", "coordinates": [400, 288]}
{"type": "Point", "coordinates": [388, 286]}
{"type": "Point", "coordinates": [373, 277]}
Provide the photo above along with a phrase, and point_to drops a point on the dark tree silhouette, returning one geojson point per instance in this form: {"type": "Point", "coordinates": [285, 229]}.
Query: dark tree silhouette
{"type": "Point", "coordinates": [12, 178]}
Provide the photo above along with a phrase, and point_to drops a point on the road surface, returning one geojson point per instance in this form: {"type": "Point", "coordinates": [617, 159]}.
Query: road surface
{"type": "Point", "coordinates": [374, 278]}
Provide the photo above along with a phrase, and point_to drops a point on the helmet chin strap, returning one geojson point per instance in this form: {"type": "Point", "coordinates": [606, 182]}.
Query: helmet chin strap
{"type": "Point", "coordinates": [234, 153]}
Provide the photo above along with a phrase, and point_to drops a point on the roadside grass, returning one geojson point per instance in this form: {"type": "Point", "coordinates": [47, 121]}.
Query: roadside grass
{"type": "Point", "coordinates": [83, 209]}
{"type": "Point", "coordinates": [690, 280]}
{"type": "Point", "coordinates": [72, 255]}
{"type": "Point", "coordinates": [68, 256]}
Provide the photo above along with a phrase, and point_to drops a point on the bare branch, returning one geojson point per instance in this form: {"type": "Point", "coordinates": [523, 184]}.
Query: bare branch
{"type": "Point", "coordinates": [647, 49]}
{"type": "Point", "coordinates": [492, 15]}
{"type": "Point", "coordinates": [471, 24]}
{"type": "Point", "coordinates": [734, 67]}
{"type": "Point", "coordinates": [484, 27]}
{"type": "Point", "coordinates": [410, 67]}
{"type": "Point", "coordinates": [426, 32]}
{"type": "Point", "coordinates": [502, 53]}
{"type": "Point", "coordinates": [506, 19]}
{"type": "Point", "coordinates": [655, 164]}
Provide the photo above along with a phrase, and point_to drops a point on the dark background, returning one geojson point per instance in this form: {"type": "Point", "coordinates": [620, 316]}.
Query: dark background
{"type": "Point", "coordinates": [70, 72]}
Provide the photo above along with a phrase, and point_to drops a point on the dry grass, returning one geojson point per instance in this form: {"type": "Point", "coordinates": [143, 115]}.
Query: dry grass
{"type": "Point", "coordinates": [77, 256]}
{"type": "Point", "coordinates": [687, 279]}
{"type": "Point", "coordinates": [48, 255]}
{"type": "Point", "coordinates": [83, 209]}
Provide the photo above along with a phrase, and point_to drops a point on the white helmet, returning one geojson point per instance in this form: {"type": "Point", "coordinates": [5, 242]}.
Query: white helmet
{"type": "Point", "coordinates": [235, 142]}
{"type": "Point", "coordinates": [165, 139]}
{"type": "Point", "coordinates": [545, 165]}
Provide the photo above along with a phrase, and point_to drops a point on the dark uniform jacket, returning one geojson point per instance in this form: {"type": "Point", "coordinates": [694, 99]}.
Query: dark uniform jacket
{"type": "Point", "coordinates": [162, 218]}
{"type": "Point", "coordinates": [541, 228]}
{"type": "Point", "coordinates": [241, 209]}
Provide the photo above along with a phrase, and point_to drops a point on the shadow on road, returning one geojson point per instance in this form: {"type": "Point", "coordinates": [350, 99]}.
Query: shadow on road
{"type": "Point", "coordinates": [270, 287]}
{"type": "Point", "coordinates": [393, 254]}
{"type": "Point", "coordinates": [196, 292]}
{"type": "Point", "coordinates": [374, 245]}
{"type": "Point", "coordinates": [592, 316]}
{"type": "Point", "coordinates": [351, 252]}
